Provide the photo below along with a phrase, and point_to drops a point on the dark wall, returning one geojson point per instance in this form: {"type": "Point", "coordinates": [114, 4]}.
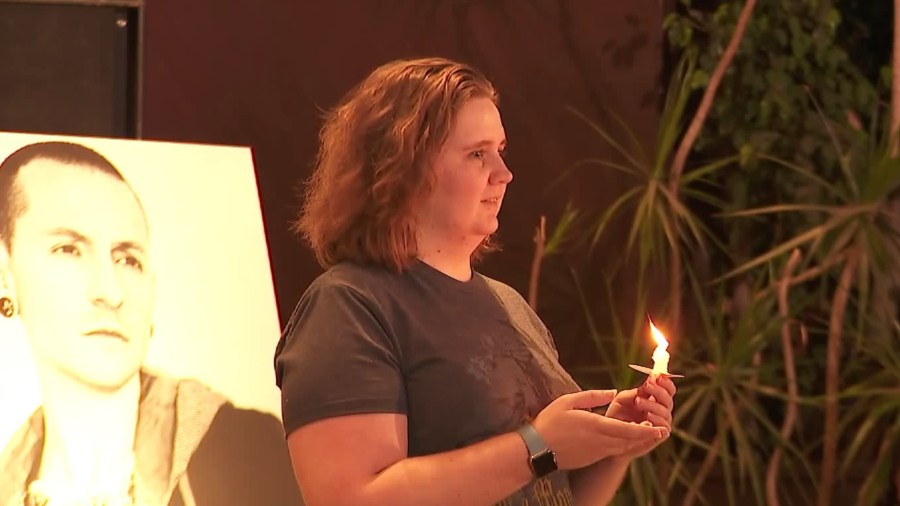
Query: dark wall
{"type": "Point", "coordinates": [259, 73]}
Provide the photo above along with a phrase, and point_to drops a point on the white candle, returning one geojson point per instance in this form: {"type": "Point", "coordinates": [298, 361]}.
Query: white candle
{"type": "Point", "coordinates": [660, 355]}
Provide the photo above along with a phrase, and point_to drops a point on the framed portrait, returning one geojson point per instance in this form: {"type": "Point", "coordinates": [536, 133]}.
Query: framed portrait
{"type": "Point", "coordinates": [138, 277]}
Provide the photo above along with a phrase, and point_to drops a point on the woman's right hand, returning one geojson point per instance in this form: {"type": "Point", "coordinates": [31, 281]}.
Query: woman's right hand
{"type": "Point", "coordinates": [579, 437]}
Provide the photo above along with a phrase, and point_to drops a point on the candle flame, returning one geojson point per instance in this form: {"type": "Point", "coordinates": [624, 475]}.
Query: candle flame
{"type": "Point", "coordinates": [658, 336]}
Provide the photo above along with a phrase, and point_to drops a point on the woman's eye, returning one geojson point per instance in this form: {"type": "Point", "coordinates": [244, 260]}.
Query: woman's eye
{"type": "Point", "coordinates": [479, 154]}
{"type": "Point", "coordinates": [67, 249]}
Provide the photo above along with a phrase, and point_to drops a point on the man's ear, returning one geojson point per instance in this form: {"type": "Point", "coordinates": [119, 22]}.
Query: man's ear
{"type": "Point", "coordinates": [4, 263]}
{"type": "Point", "coordinates": [8, 307]}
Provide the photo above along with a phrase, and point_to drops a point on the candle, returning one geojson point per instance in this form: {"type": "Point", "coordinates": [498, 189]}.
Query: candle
{"type": "Point", "coordinates": [660, 355]}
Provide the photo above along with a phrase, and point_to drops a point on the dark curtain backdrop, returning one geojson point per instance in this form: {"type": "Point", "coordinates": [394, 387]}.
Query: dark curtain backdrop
{"type": "Point", "coordinates": [260, 72]}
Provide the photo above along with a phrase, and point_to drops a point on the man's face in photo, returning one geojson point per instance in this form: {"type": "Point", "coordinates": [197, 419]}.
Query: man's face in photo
{"type": "Point", "coordinates": [79, 262]}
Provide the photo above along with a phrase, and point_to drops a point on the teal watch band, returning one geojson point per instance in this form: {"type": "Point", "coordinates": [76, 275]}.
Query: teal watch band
{"type": "Point", "coordinates": [541, 458]}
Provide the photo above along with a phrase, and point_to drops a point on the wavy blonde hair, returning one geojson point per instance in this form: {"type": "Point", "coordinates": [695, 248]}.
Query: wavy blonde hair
{"type": "Point", "coordinates": [374, 165]}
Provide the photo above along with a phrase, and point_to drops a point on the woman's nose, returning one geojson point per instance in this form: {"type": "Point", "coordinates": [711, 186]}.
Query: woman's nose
{"type": "Point", "coordinates": [501, 173]}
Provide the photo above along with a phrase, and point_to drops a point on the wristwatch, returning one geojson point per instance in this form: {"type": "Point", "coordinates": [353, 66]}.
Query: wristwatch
{"type": "Point", "coordinates": [541, 458]}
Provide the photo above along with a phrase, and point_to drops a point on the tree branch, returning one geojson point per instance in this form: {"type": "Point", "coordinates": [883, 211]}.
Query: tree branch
{"type": "Point", "coordinates": [790, 416]}
{"type": "Point", "coordinates": [690, 137]}
{"type": "Point", "coordinates": [540, 245]}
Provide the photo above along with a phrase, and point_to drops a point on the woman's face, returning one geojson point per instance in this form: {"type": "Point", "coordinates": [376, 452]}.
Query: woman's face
{"type": "Point", "coordinates": [470, 177]}
{"type": "Point", "coordinates": [79, 267]}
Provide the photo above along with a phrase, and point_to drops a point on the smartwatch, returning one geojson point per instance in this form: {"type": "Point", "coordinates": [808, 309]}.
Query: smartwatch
{"type": "Point", "coordinates": [540, 457]}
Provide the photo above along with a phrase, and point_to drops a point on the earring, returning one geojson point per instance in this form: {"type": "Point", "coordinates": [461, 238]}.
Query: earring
{"type": "Point", "coordinates": [7, 306]}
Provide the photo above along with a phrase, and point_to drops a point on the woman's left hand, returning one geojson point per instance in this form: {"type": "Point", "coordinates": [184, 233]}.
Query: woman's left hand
{"type": "Point", "coordinates": [650, 403]}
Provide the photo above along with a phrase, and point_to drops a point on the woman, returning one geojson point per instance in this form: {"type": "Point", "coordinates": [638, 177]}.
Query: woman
{"type": "Point", "coordinates": [408, 378]}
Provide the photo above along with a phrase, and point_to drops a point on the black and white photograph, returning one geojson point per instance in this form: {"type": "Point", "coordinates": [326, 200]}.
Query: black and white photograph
{"type": "Point", "coordinates": [138, 319]}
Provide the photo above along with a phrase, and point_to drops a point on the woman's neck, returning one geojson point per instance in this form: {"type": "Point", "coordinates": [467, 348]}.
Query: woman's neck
{"type": "Point", "coordinates": [88, 437]}
{"type": "Point", "coordinates": [453, 258]}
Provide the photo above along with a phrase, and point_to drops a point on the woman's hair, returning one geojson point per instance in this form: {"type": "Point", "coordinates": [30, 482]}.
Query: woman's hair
{"type": "Point", "coordinates": [374, 165]}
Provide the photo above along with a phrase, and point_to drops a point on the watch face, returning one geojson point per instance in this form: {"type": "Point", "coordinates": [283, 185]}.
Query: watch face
{"type": "Point", "coordinates": [543, 463]}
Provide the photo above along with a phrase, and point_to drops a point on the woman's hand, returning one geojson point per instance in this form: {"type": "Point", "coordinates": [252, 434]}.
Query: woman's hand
{"type": "Point", "coordinates": [649, 404]}
{"type": "Point", "coordinates": [579, 437]}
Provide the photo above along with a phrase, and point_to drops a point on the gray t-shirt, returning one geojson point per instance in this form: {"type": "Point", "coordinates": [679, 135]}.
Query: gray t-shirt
{"type": "Point", "coordinates": [464, 361]}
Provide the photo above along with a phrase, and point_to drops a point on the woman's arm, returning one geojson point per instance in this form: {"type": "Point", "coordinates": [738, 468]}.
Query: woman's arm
{"type": "Point", "coordinates": [361, 460]}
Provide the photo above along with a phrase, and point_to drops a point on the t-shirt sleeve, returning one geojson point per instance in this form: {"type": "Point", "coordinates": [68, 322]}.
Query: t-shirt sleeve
{"type": "Point", "coordinates": [336, 357]}
{"type": "Point", "coordinates": [530, 325]}
{"type": "Point", "coordinates": [521, 311]}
